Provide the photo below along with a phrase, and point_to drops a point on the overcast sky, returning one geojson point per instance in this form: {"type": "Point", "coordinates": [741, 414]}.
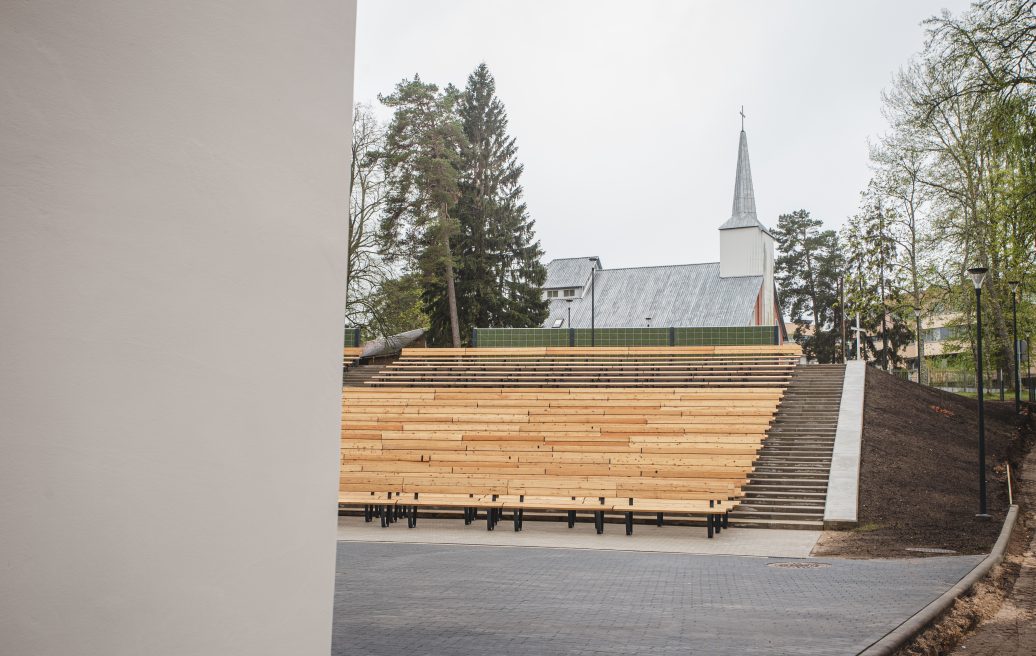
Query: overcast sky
{"type": "Point", "coordinates": [626, 113]}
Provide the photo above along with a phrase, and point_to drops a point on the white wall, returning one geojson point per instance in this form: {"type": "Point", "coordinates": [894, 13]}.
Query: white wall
{"type": "Point", "coordinates": [172, 218]}
{"type": "Point", "coordinates": [749, 252]}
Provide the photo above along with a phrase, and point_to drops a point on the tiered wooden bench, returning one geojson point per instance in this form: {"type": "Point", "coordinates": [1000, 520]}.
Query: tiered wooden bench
{"type": "Point", "coordinates": [641, 447]}
{"type": "Point", "coordinates": [592, 367]}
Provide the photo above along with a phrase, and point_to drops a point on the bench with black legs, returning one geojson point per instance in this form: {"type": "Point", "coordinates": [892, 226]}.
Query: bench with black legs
{"type": "Point", "coordinates": [647, 447]}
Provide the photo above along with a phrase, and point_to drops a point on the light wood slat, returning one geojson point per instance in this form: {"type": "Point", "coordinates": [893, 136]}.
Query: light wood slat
{"type": "Point", "coordinates": [671, 447]}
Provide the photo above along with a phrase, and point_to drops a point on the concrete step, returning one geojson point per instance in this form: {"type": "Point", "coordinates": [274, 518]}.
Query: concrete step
{"type": "Point", "coordinates": [773, 493]}
{"type": "Point", "coordinates": [767, 474]}
{"type": "Point", "coordinates": [784, 502]}
{"type": "Point", "coordinates": [807, 514]}
{"type": "Point", "coordinates": [750, 522]}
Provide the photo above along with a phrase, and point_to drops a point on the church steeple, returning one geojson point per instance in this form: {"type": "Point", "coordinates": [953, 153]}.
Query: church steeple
{"type": "Point", "coordinates": [742, 214]}
{"type": "Point", "coordinates": [745, 245]}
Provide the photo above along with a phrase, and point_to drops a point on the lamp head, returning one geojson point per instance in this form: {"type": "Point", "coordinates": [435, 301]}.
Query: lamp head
{"type": "Point", "coordinates": [978, 275]}
{"type": "Point", "coordinates": [917, 312]}
{"type": "Point", "coordinates": [1014, 284]}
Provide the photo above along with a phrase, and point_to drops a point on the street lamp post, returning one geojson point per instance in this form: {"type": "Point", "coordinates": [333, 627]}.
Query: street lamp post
{"type": "Point", "coordinates": [920, 345]}
{"type": "Point", "coordinates": [593, 312]}
{"type": "Point", "coordinates": [978, 275]}
{"type": "Point", "coordinates": [568, 303]}
{"type": "Point", "coordinates": [1017, 355]}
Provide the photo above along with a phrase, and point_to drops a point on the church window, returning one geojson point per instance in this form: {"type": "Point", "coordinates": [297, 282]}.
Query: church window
{"type": "Point", "coordinates": [570, 292]}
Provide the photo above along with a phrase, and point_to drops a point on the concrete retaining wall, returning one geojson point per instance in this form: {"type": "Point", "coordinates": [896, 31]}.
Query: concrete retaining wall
{"type": "Point", "coordinates": [843, 485]}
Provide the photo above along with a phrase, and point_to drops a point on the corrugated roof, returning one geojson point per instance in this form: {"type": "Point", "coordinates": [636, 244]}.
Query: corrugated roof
{"type": "Point", "coordinates": [568, 272]}
{"type": "Point", "coordinates": [679, 295]}
{"type": "Point", "coordinates": [392, 344]}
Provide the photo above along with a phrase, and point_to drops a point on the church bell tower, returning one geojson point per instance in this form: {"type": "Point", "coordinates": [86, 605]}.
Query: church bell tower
{"type": "Point", "coordinates": [745, 244]}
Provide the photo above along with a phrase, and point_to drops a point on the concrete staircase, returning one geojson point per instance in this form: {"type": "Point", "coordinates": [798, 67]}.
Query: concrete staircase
{"type": "Point", "coordinates": [788, 488]}
{"type": "Point", "coordinates": [357, 374]}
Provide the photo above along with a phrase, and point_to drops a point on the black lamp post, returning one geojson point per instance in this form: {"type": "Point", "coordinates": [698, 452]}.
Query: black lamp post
{"type": "Point", "coordinates": [978, 275]}
{"type": "Point", "coordinates": [1017, 355]}
{"type": "Point", "coordinates": [920, 344]}
{"type": "Point", "coordinates": [593, 325]}
{"type": "Point", "coordinates": [568, 303]}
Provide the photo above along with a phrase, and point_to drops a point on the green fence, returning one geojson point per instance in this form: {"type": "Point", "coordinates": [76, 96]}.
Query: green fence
{"type": "Point", "coordinates": [685, 336]}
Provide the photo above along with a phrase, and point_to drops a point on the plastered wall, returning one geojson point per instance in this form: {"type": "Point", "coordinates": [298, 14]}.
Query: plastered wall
{"type": "Point", "coordinates": [173, 199]}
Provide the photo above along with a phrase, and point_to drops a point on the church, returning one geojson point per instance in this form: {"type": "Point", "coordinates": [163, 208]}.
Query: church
{"type": "Point", "coordinates": [737, 291]}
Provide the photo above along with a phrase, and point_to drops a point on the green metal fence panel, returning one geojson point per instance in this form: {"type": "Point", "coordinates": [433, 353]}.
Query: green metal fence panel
{"type": "Point", "coordinates": [726, 336]}
{"type": "Point", "coordinates": [697, 336]}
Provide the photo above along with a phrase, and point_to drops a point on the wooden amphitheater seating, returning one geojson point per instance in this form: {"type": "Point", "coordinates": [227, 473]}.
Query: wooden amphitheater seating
{"type": "Point", "coordinates": [454, 437]}
{"type": "Point", "coordinates": [592, 367]}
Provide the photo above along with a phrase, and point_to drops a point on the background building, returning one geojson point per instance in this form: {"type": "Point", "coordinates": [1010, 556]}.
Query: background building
{"type": "Point", "coordinates": [737, 291]}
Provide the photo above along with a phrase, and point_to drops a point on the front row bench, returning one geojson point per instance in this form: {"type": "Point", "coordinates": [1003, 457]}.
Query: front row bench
{"type": "Point", "coordinates": [390, 506]}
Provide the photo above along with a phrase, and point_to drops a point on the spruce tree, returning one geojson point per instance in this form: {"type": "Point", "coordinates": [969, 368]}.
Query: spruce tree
{"type": "Point", "coordinates": [498, 257]}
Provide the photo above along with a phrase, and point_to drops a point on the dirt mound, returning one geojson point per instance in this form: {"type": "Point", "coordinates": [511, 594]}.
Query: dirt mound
{"type": "Point", "coordinates": [919, 471]}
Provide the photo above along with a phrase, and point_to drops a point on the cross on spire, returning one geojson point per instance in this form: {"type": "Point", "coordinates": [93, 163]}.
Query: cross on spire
{"type": "Point", "coordinates": [742, 112]}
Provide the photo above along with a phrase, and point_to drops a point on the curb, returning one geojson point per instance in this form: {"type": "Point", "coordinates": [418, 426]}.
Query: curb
{"type": "Point", "coordinates": [908, 630]}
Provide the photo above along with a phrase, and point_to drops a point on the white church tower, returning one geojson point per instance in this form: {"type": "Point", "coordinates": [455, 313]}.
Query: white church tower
{"type": "Point", "coordinates": [745, 244]}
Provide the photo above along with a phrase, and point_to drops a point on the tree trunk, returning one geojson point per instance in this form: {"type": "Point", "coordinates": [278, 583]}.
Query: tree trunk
{"type": "Point", "coordinates": [451, 291]}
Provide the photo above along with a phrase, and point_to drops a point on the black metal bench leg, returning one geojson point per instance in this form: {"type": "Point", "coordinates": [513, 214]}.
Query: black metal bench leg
{"type": "Point", "coordinates": [629, 523]}
{"type": "Point", "coordinates": [726, 520]}
{"type": "Point", "coordinates": [489, 519]}
{"type": "Point", "coordinates": [413, 516]}
{"type": "Point", "coordinates": [367, 514]}
{"type": "Point", "coordinates": [600, 522]}
{"type": "Point", "coordinates": [517, 521]}
{"type": "Point", "coordinates": [658, 519]}
{"type": "Point", "coordinates": [384, 516]}
{"type": "Point", "coordinates": [571, 518]}
{"type": "Point", "coordinates": [708, 523]}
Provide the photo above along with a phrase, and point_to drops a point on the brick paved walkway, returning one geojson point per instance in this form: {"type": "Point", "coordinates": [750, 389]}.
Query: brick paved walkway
{"type": "Point", "coordinates": [449, 600]}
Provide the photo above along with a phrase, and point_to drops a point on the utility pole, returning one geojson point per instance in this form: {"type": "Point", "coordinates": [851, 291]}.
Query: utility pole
{"type": "Point", "coordinates": [841, 316]}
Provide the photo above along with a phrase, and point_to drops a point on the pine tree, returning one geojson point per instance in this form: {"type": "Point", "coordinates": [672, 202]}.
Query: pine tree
{"type": "Point", "coordinates": [423, 146]}
{"type": "Point", "coordinates": [807, 272]}
{"type": "Point", "coordinates": [498, 258]}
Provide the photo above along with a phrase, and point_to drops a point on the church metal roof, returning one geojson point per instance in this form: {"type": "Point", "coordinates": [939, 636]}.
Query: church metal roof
{"type": "Point", "coordinates": [678, 295]}
{"type": "Point", "coordinates": [569, 272]}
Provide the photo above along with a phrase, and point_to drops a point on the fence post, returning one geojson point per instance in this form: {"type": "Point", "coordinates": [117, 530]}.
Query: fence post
{"type": "Point", "coordinates": [1000, 373]}
{"type": "Point", "coordinates": [571, 336]}
{"type": "Point", "coordinates": [672, 335]}
{"type": "Point", "coordinates": [474, 337]}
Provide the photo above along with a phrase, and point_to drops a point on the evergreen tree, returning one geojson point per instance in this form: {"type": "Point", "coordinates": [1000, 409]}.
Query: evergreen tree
{"type": "Point", "coordinates": [807, 272]}
{"type": "Point", "coordinates": [875, 285]}
{"type": "Point", "coordinates": [423, 145]}
{"type": "Point", "coordinates": [498, 258]}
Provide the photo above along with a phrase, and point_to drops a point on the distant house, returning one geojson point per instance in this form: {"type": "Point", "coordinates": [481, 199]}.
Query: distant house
{"type": "Point", "coordinates": [737, 291]}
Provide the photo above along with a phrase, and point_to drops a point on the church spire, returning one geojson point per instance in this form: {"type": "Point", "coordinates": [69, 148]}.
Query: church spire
{"type": "Point", "coordinates": [742, 214]}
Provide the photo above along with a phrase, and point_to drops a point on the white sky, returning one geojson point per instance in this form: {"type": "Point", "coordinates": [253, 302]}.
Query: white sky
{"type": "Point", "coordinates": [626, 113]}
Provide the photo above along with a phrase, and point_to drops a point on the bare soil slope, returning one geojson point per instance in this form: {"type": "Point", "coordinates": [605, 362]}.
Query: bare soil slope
{"type": "Point", "coordinates": [919, 471]}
